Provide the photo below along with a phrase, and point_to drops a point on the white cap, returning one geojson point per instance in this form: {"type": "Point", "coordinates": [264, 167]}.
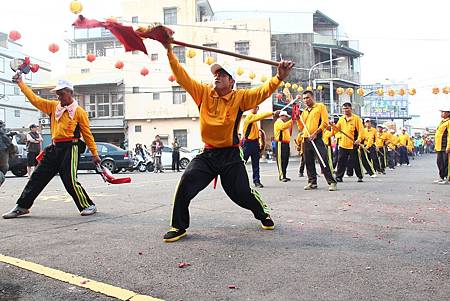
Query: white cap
{"type": "Point", "coordinates": [444, 109]}
{"type": "Point", "coordinates": [228, 69]}
{"type": "Point", "coordinates": [367, 120]}
{"type": "Point", "coordinates": [62, 84]}
{"type": "Point", "coordinates": [284, 113]}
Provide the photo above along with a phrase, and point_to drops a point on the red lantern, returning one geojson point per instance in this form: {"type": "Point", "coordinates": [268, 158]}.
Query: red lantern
{"type": "Point", "coordinates": [119, 65]}
{"type": "Point", "coordinates": [14, 35]}
{"type": "Point", "coordinates": [34, 68]}
{"type": "Point", "coordinates": [53, 47]}
{"type": "Point", "coordinates": [340, 91]}
{"type": "Point", "coordinates": [144, 71]}
{"type": "Point", "coordinates": [279, 96]}
{"type": "Point", "coordinates": [172, 78]}
{"type": "Point", "coordinates": [90, 57]}
{"type": "Point", "coordinates": [435, 90]}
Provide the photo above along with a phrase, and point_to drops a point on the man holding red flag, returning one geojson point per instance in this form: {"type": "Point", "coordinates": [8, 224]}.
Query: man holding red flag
{"type": "Point", "coordinates": [221, 109]}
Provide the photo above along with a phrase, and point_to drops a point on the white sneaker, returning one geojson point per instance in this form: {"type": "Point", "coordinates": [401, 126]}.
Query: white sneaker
{"type": "Point", "coordinates": [438, 180]}
{"type": "Point", "coordinates": [89, 210]}
{"type": "Point", "coordinates": [373, 176]}
{"type": "Point", "coordinates": [443, 182]}
{"type": "Point", "coordinates": [398, 164]}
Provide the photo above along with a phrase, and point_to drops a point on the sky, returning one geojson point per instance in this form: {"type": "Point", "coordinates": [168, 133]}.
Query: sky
{"type": "Point", "coordinates": [402, 41]}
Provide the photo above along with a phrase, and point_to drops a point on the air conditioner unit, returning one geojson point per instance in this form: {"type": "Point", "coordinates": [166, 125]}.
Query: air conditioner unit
{"type": "Point", "coordinates": [44, 121]}
{"type": "Point", "coordinates": [91, 114]}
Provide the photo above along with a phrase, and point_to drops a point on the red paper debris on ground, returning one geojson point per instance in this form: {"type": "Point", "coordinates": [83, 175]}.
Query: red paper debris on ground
{"type": "Point", "coordinates": [183, 264]}
{"type": "Point", "coordinates": [232, 286]}
{"type": "Point", "coordinates": [140, 253]}
{"type": "Point", "coordinates": [84, 281]}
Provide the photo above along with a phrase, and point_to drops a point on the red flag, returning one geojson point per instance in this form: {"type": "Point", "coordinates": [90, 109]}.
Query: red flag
{"type": "Point", "coordinates": [125, 34]}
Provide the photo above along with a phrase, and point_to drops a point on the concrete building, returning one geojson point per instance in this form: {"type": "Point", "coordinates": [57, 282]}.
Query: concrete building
{"type": "Point", "coordinates": [15, 110]}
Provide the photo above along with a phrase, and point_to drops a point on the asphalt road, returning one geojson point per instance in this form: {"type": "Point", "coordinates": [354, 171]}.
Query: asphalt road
{"type": "Point", "coordinates": [385, 239]}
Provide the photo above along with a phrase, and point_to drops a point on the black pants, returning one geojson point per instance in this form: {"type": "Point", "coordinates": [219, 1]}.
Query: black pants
{"type": "Point", "coordinates": [403, 155]}
{"type": "Point", "coordinates": [391, 159]}
{"type": "Point", "coordinates": [301, 169]}
{"type": "Point", "coordinates": [283, 153]}
{"type": "Point", "coordinates": [442, 161]}
{"type": "Point", "coordinates": [176, 160]}
{"type": "Point", "coordinates": [344, 156]}
{"type": "Point", "coordinates": [226, 162]}
{"type": "Point", "coordinates": [374, 158]}
{"type": "Point", "coordinates": [61, 158]}
{"type": "Point", "coordinates": [366, 162]}
{"type": "Point", "coordinates": [251, 150]}
{"type": "Point", "coordinates": [310, 155]}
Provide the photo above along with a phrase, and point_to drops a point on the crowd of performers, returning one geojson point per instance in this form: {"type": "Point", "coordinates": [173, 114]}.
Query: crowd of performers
{"type": "Point", "coordinates": [359, 146]}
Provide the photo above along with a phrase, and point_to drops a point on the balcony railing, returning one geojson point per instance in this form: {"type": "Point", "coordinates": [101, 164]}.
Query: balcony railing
{"type": "Point", "coordinates": [336, 72]}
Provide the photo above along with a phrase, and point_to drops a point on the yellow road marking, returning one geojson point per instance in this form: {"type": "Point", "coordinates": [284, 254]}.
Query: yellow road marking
{"type": "Point", "coordinates": [99, 287]}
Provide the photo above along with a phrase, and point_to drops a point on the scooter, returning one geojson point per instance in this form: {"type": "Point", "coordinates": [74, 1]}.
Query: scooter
{"type": "Point", "coordinates": [143, 164]}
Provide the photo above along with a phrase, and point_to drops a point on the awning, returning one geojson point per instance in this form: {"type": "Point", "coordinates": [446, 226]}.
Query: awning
{"type": "Point", "coordinates": [337, 50]}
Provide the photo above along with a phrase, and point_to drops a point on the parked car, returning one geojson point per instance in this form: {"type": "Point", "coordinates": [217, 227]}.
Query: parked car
{"type": "Point", "coordinates": [113, 157]}
{"type": "Point", "coordinates": [185, 157]}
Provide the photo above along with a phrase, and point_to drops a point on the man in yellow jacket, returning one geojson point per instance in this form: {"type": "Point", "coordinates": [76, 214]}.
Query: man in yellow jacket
{"type": "Point", "coordinates": [380, 143]}
{"type": "Point", "coordinates": [282, 133]}
{"type": "Point", "coordinates": [369, 142]}
{"type": "Point", "coordinates": [251, 141]}
{"type": "Point", "coordinates": [349, 144]}
{"type": "Point", "coordinates": [221, 109]}
{"type": "Point", "coordinates": [442, 147]}
{"type": "Point", "coordinates": [68, 123]}
{"type": "Point", "coordinates": [404, 143]}
{"type": "Point", "coordinates": [312, 123]}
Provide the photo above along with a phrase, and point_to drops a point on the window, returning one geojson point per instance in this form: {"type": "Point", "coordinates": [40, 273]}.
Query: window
{"type": "Point", "coordinates": [181, 136]}
{"type": "Point", "coordinates": [242, 47]}
{"type": "Point", "coordinates": [116, 105]}
{"type": "Point", "coordinates": [90, 105]}
{"type": "Point", "coordinates": [16, 113]}
{"type": "Point", "coordinates": [154, 57]}
{"type": "Point", "coordinates": [135, 89]}
{"type": "Point", "coordinates": [179, 95]}
{"type": "Point", "coordinates": [2, 64]}
{"type": "Point", "coordinates": [137, 128]}
{"type": "Point", "coordinates": [156, 95]}
{"type": "Point", "coordinates": [85, 70]}
{"type": "Point", "coordinates": [17, 92]}
{"type": "Point", "coordinates": [103, 105]}
{"type": "Point", "coordinates": [170, 16]}
{"type": "Point", "coordinates": [243, 85]}
{"type": "Point", "coordinates": [180, 52]}
{"type": "Point", "coordinates": [210, 53]}
{"type": "Point", "coordinates": [135, 19]}
{"type": "Point", "coordinates": [2, 89]}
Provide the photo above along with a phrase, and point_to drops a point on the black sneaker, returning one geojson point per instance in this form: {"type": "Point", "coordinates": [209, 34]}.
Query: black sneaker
{"type": "Point", "coordinates": [16, 212]}
{"type": "Point", "coordinates": [339, 180]}
{"type": "Point", "coordinates": [301, 175]}
{"type": "Point", "coordinates": [259, 185]}
{"type": "Point", "coordinates": [174, 235]}
{"type": "Point", "coordinates": [267, 223]}
{"type": "Point", "coordinates": [360, 180]}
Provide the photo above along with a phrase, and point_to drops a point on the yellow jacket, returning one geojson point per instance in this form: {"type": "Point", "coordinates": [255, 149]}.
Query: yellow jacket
{"type": "Point", "coordinates": [353, 127]}
{"type": "Point", "coordinates": [65, 126]}
{"type": "Point", "coordinates": [404, 139]}
{"type": "Point", "coordinates": [381, 139]}
{"type": "Point", "coordinates": [442, 136]}
{"type": "Point", "coordinates": [326, 137]}
{"type": "Point", "coordinates": [314, 118]}
{"type": "Point", "coordinates": [281, 131]}
{"type": "Point", "coordinates": [370, 137]}
{"type": "Point", "coordinates": [393, 141]}
{"type": "Point", "coordinates": [220, 115]}
{"type": "Point", "coordinates": [250, 129]}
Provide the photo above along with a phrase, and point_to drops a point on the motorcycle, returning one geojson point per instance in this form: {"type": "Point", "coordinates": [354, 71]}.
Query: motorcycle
{"type": "Point", "coordinates": [143, 163]}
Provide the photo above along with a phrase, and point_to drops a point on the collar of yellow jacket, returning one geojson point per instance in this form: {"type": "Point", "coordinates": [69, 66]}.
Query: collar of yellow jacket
{"type": "Point", "coordinates": [227, 97]}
